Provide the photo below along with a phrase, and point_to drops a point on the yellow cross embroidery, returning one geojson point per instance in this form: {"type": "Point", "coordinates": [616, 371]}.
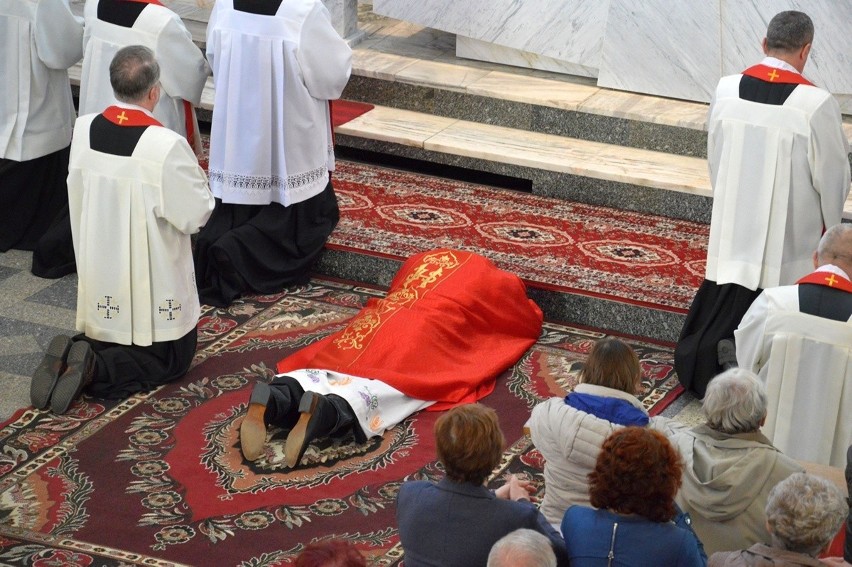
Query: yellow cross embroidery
{"type": "Point", "coordinates": [773, 75]}
{"type": "Point", "coordinates": [831, 280]}
{"type": "Point", "coordinates": [121, 118]}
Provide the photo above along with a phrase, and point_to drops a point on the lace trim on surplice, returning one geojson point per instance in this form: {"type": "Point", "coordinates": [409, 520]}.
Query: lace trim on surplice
{"type": "Point", "coordinates": [265, 183]}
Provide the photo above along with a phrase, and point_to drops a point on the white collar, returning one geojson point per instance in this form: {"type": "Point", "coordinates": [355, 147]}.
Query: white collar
{"type": "Point", "coordinates": [129, 106]}
{"type": "Point", "coordinates": [779, 64]}
{"type": "Point", "coordinates": [833, 269]}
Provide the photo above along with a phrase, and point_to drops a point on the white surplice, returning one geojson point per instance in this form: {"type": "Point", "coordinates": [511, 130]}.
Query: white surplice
{"type": "Point", "coordinates": [183, 68]}
{"type": "Point", "coordinates": [377, 406]}
{"type": "Point", "coordinates": [274, 75]}
{"type": "Point", "coordinates": [780, 175]}
{"type": "Point", "coordinates": [805, 362]}
{"type": "Point", "coordinates": [131, 220]}
{"type": "Point", "coordinates": [39, 41]}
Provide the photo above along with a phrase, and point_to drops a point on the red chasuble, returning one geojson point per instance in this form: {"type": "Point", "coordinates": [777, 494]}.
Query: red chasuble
{"type": "Point", "coordinates": [129, 117]}
{"type": "Point", "coordinates": [828, 279]}
{"type": "Point", "coordinates": [775, 75]}
{"type": "Point", "coordinates": [450, 324]}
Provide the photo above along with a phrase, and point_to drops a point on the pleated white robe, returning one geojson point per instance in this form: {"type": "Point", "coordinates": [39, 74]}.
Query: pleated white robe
{"type": "Point", "coordinates": [131, 221]}
{"type": "Point", "coordinates": [780, 175]}
{"type": "Point", "coordinates": [274, 75]}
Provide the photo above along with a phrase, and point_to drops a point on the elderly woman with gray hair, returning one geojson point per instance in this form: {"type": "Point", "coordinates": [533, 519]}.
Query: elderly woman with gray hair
{"type": "Point", "coordinates": [729, 465]}
{"type": "Point", "coordinates": [803, 514]}
{"type": "Point", "coordinates": [522, 548]}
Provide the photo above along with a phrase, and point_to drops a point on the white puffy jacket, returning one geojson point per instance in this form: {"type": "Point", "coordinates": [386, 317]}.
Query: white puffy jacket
{"type": "Point", "coordinates": [570, 440]}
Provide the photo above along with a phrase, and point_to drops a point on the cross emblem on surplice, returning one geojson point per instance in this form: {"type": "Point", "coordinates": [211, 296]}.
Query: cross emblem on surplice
{"type": "Point", "coordinates": [831, 280]}
{"type": "Point", "coordinates": [773, 75]}
{"type": "Point", "coordinates": [168, 308]}
{"type": "Point", "coordinates": [121, 118]}
{"type": "Point", "coordinates": [107, 307]}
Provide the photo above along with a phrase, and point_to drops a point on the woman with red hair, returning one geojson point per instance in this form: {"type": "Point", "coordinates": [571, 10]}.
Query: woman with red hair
{"type": "Point", "coordinates": [635, 521]}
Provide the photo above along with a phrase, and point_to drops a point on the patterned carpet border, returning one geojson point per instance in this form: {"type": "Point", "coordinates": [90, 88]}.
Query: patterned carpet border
{"type": "Point", "coordinates": [158, 479]}
{"type": "Point", "coordinates": [629, 257]}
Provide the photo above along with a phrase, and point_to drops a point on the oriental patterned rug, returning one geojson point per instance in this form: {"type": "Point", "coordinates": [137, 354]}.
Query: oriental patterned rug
{"type": "Point", "coordinates": [158, 479]}
{"type": "Point", "coordinates": [559, 245]}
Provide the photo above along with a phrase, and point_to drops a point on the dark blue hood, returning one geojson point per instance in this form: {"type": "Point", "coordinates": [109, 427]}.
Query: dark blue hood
{"type": "Point", "coordinates": [614, 410]}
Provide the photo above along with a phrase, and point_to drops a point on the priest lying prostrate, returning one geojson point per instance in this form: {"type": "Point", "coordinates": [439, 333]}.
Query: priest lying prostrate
{"type": "Point", "coordinates": [780, 175]}
{"type": "Point", "coordinates": [275, 65]}
{"type": "Point", "coordinates": [109, 26]}
{"type": "Point", "coordinates": [39, 41]}
{"type": "Point", "coordinates": [136, 193]}
{"type": "Point", "coordinates": [450, 324]}
{"type": "Point", "coordinates": [798, 339]}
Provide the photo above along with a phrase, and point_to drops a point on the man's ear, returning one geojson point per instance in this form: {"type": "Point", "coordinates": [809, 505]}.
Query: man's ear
{"type": "Point", "coordinates": [805, 52]}
{"type": "Point", "coordinates": [816, 260]}
{"type": "Point", "coordinates": [765, 48]}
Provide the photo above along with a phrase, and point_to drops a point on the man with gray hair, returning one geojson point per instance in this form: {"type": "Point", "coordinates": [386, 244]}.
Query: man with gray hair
{"type": "Point", "coordinates": [805, 331]}
{"type": "Point", "coordinates": [135, 193]}
{"type": "Point", "coordinates": [729, 466]}
{"type": "Point", "coordinates": [780, 176]}
{"type": "Point", "coordinates": [522, 548]}
{"type": "Point", "coordinates": [803, 513]}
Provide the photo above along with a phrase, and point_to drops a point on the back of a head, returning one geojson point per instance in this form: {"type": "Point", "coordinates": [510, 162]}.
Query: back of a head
{"type": "Point", "coordinates": [789, 31]}
{"type": "Point", "coordinates": [469, 442]}
{"type": "Point", "coordinates": [133, 71]}
{"type": "Point", "coordinates": [735, 402]}
{"type": "Point", "coordinates": [638, 471]}
{"type": "Point", "coordinates": [835, 247]}
{"type": "Point", "coordinates": [613, 364]}
{"type": "Point", "coordinates": [330, 553]}
{"type": "Point", "coordinates": [804, 512]}
{"type": "Point", "coordinates": [522, 548]}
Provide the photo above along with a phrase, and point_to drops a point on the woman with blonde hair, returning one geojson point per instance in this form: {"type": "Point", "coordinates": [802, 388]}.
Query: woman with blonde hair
{"type": "Point", "coordinates": [569, 431]}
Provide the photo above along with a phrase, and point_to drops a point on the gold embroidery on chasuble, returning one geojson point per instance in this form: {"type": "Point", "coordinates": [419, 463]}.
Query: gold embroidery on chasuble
{"type": "Point", "coordinates": [432, 270]}
{"type": "Point", "coordinates": [121, 118]}
{"type": "Point", "coordinates": [831, 280]}
{"type": "Point", "coordinates": [773, 75]}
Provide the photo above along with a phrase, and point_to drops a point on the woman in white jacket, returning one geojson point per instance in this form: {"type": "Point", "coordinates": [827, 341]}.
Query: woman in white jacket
{"type": "Point", "coordinates": [569, 431]}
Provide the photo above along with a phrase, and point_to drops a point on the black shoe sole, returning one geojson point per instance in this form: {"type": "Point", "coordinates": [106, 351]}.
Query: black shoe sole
{"type": "Point", "coordinates": [71, 383]}
{"type": "Point", "coordinates": [48, 371]}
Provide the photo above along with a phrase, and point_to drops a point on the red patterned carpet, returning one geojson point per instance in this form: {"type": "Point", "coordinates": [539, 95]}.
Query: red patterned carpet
{"type": "Point", "coordinates": [630, 257]}
{"type": "Point", "coordinates": [159, 480]}
{"type": "Point", "coordinates": [624, 256]}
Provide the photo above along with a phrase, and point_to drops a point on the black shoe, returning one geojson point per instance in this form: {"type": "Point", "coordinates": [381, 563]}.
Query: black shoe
{"type": "Point", "coordinates": [253, 426]}
{"type": "Point", "coordinates": [726, 352]}
{"type": "Point", "coordinates": [318, 419]}
{"type": "Point", "coordinates": [49, 370]}
{"type": "Point", "coordinates": [80, 371]}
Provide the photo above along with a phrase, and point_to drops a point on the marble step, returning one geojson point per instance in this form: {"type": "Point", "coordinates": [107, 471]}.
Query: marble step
{"type": "Point", "coordinates": [549, 105]}
{"type": "Point", "coordinates": [573, 169]}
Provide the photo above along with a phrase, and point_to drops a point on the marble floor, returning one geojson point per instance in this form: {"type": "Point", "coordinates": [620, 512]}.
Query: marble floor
{"type": "Point", "coordinates": [32, 311]}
